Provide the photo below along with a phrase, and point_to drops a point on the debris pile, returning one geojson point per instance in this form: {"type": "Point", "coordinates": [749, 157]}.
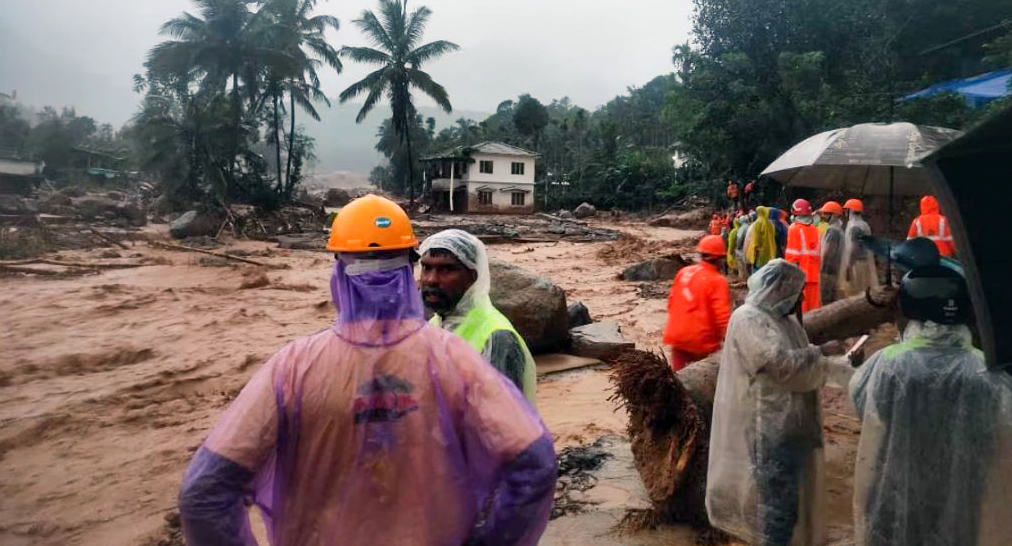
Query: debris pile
{"type": "Point", "coordinates": [527, 228]}
{"type": "Point", "coordinates": [628, 248]}
{"type": "Point", "coordinates": [575, 467]}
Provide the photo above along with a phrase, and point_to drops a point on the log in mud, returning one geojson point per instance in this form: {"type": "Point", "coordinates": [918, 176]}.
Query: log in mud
{"type": "Point", "coordinates": [670, 413]}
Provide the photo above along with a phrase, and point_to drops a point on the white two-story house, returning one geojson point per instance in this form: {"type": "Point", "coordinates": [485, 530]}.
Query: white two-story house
{"type": "Point", "coordinates": [491, 177]}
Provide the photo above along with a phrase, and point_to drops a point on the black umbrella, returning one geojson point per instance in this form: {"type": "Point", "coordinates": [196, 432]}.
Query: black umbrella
{"type": "Point", "coordinates": [972, 178]}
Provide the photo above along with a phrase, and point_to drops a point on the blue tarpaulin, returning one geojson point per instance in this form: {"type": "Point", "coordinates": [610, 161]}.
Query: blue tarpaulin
{"type": "Point", "coordinates": [977, 90]}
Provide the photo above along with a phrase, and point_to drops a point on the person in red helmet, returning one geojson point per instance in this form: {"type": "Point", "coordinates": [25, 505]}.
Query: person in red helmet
{"type": "Point", "coordinates": [803, 250]}
{"type": "Point", "coordinates": [732, 193]}
{"type": "Point", "coordinates": [934, 226]}
{"type": "Point", "coordinates": [699, 306]}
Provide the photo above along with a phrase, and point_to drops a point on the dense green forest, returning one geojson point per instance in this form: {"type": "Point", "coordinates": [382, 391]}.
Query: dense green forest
{"type": "Point", "coordinates": [758, 77]}
{"type": "Point", "coordinates": [222, 98]}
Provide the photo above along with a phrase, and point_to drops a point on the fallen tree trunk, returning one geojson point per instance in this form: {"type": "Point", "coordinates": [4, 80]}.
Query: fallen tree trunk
{"type": "Point", "coordinates": [211, 253]}
{"type": "Point", "coordinates": [670, 413]}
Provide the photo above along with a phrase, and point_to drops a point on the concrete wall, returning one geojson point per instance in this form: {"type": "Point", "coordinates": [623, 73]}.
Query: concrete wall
{"type": "Point", "coordinates": [502, 202]}
{"type": "Point", "coordinates": [501, 169]}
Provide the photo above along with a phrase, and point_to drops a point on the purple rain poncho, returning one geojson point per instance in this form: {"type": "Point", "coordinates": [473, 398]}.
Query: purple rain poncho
{"type": "Point", "coordinates": [378, 430]}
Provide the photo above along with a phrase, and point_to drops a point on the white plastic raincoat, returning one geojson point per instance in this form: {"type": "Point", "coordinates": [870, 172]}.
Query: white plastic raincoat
{"type": "Point", "coordinates": [832, 259]}
{"type": "Point", "coordinates": [477, 320]}
{"type": "Point", "coordinates": [857, 272]}
{"type": "Point", "coordinates": [764, 480]}
{"type": "Point", "coordinates": [934, 464]}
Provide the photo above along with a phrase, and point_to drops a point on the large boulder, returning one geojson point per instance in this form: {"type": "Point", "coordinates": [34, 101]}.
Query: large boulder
{"type": "Point", "coordinates": [133, 213]}
{"type": "Point", "coordinates": [534, 304]}
{"type": "Point", "coordinates": [601, 340]}
{"type": "Point", "coordinates": [55, 203]}
{"type": "Point", "coordinates": [693, 219]}
{"type": "Point", "coordinates": [336, 197]}
{"type": "Point", "coordinates": [194, 224]}
{"type": "Point", "coordinates": [585, 210]}
{"type": "Point", "coordinates": [73, 191]}
{"type": "Point", "coordinates": [657, 269]}
{"type": "Point", "coordinates": [92, 207]}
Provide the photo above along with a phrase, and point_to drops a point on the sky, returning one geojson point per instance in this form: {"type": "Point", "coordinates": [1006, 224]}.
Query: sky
{"type": "Point", "coordinates": [84, 53]}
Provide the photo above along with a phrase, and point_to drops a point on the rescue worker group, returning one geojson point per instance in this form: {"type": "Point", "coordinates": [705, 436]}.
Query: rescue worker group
{"type": "Point", "coordinates": [387, 428]}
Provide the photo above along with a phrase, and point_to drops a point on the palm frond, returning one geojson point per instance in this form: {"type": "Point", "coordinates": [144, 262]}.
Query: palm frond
{"type": "Point", "coordinates": [302, 99]}
{"type": "Point", "coordinates": [184, 27]}
{"type": "Point", "coordinates": [416, 26]}
{"type": "Point", "coordinates": [430, 51]}
{"type": "Point", "coordinates": [370, 101]}
{"type": "Point", "coordinates": [393, 16]}
{"type": "Point", "coordinates": [321, 23]}
{"type": "Point", "coordinates": [374, 30]}
{"type": "Point", "coordinates": [373, 80]}
{"type": "Point", "coordinates": [424, 83]}
{"type": "Point", "coordinates": [365, 55]}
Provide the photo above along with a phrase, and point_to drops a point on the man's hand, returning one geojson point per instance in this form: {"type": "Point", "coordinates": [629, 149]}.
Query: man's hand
{"type": "Point", "coordinates": [832, 348]}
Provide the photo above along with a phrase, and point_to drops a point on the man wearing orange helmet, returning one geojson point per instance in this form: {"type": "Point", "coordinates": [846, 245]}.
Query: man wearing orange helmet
{"type": "Point", "coordinates": [858, 265]}
{"type": "Point", "coordinates": [699, 306]}
{"type": "Point", "coordinates": [832, 251]}
{"type": "Point", "coordinates": [380, 429]}
{"type": "Point", "coordinates": [803, 251]}
{"type": "Point", "coordinates": [934, 226]}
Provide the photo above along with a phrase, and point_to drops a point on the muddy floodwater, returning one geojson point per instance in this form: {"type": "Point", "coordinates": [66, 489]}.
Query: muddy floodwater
{"type": "Point", "coordinates": [109, 382]}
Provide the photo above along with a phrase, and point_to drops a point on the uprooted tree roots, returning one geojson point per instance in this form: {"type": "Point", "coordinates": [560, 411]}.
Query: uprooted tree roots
{"type": "Point", "coordinates": [669, 434]}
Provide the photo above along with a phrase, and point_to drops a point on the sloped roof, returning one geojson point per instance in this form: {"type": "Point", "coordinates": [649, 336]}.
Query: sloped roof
{"type": "Point", "coordinates": [501, 148]}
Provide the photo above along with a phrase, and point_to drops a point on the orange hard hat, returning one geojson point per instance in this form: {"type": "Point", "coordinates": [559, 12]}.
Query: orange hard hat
{"type": "Point", "coordinates": [712, 245]}
{"type": "Point", "coordinates": [801, 207]}
{"type": "Point", "coordinates": [831, 207]}
{"type": "Point", "coordinates": [854, 204]}
{"type": "Point", "coordinates": [371, 223]}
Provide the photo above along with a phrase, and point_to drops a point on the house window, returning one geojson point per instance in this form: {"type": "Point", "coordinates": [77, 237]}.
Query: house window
{"type": "Point", "coordinates": [485, 167]}
{"type": "Point", "coordinates": [484, 197]}
{"type": "Point", "coordinates": [519, 198]}
{"type": "Point", "coordinates": [517, 168]}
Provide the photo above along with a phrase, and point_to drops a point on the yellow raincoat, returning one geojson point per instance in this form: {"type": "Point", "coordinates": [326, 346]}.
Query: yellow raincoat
{"type": "Point", "coordinates": [732, 260]}
{"type": "Point", "coordinates": [762, 247]}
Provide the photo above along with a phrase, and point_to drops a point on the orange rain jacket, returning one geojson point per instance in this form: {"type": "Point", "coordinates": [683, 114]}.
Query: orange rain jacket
{"type": "Point", "coordinates": [803, 250]}
{"type": "Point", "coordinates": [699, 307]}
{"type": "Point", "coordinates": [934, 226]}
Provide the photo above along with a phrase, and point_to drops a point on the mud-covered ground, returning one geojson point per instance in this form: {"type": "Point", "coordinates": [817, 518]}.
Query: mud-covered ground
{"type": "Point", "coordinates": [108, 383]}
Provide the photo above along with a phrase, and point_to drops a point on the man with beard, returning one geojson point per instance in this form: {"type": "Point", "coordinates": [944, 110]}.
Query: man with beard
{"type": "Point", "coordinates": [455, 283]}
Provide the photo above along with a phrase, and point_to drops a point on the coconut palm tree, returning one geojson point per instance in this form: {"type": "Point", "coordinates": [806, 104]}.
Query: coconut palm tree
{"type": "Point", "coordinates": [396, 50]}
{"type": "Point", "coordinates": [299, 35]}
{"type": "Point", "coordinates": [220, 45]}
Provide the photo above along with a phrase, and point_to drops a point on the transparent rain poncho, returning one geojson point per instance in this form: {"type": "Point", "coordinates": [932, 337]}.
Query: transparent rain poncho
{"type": "Point", "coordinates": [765, 477]}
{"type": "Point", "coordinates": [475, 318]}
{"type": "Point", "coordinates": [934, 463]}
{"type": "Point", "coordinates": [378, 430]}
{"type": "Point", "coordinates": [857, 270]}
{"type": "Point", "coordinates": [831, 259]}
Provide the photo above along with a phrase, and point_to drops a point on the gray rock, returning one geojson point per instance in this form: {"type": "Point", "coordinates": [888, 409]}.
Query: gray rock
{"type": "Point", "coordinates": [336, 197]}
{"type": "Point", "coordinates": [601, 340]}
{"type": "Point", "coordinates": [72, 191]}
{"type": "Point", "coordinates": [556, 230]}
{"type": "Point", "coordinates": [534, 304]}
{"type": "Point", "coordinates": [585, 210]}
{"type": "Point", "coordinates": [55, 203]}
{"type": "Point", "coordinates": [565, 214]}
{"type": "Point", "coordinates": [193, 224]}
{"type": "Point", "coordinates": [654, 270]}
{"type": "Point", "coordinates": [133, 213]}
{"type": "Point", "coordinates": [92, 207]}
{"type": "Point", "coordinates": [693, 219]}
{"type": "Point", "coordinates": [579, 315]}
